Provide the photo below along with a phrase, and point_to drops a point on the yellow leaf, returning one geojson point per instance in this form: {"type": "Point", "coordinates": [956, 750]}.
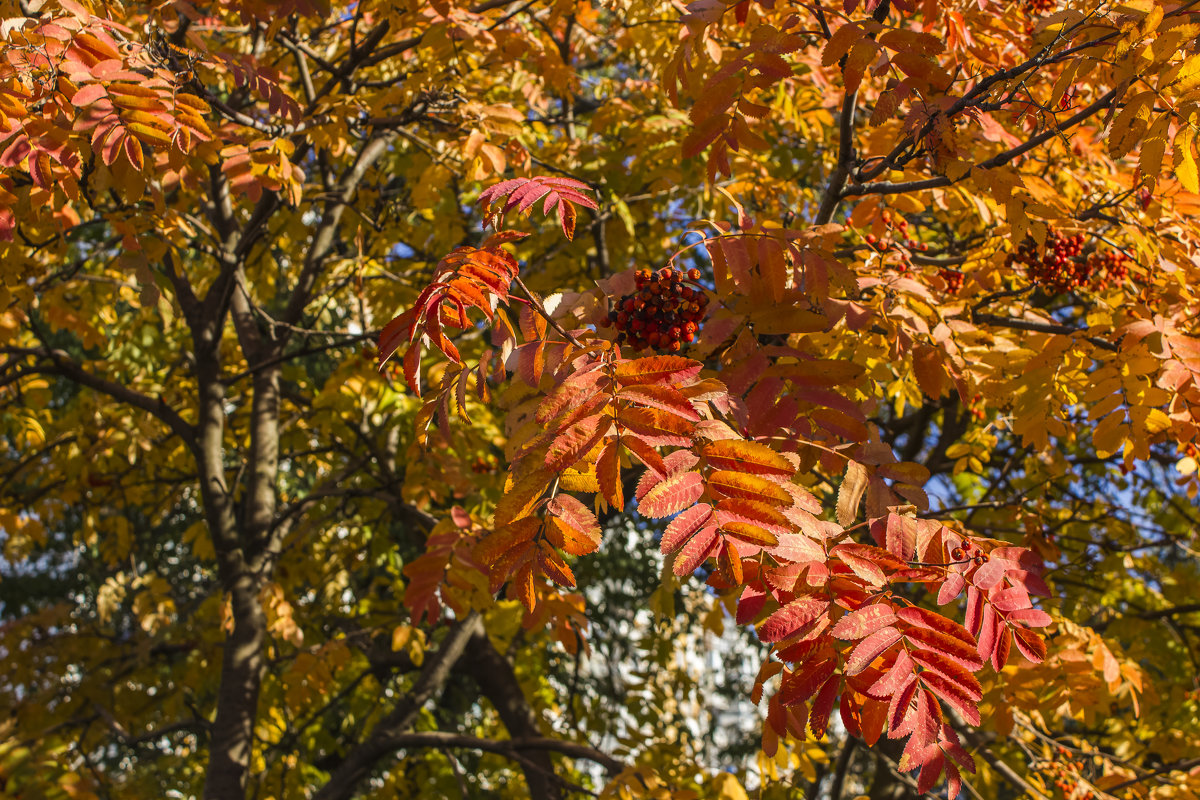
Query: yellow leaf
{"type": "Point", "coordinates": [840, 43]}
{"type": "Point", "coordinates": [1188, 77]}
{"type": "Point", "coordinates": [400, 637]}
{"type": "Point", "coordinates": [850, 492]}
{"type": "Point", "coordinates": [1154, 148]}
{"type": "Point", "coordinates": [728, 787]}
{"type": "Point", "coordinates": [860, 57]}
{"type": "Point", "coordinates": [1129, 126]}
{"type": "Point", "coordinates": [1185, 160]}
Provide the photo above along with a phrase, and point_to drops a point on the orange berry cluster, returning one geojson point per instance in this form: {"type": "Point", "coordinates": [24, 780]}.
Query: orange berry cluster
{"type": "Point", "coordinates": [1061, 267]}
{"type": "Point", "coordinates": [1036, 7]}
{"type": "Point", "coordinates": [1108, 269]}
{"type": "Point", "coordinates": [896, 236]}
{"type": "Point", "coordinates": [969, 551]}
{"type": "Point", "coordinates": [953, 279]}
{"type": "Point", "coordinates": [976, 407]}
{"type": "Point", "coordinates": [484, 464]}
{"type": "Point", "coordinates": [1065, 775]}
{"type": "Point", "coordinates": [663, 313]}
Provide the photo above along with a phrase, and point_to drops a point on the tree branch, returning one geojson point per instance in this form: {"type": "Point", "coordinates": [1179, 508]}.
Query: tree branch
{"type": "Point", "coordinates": [1041, 327]}
{"type": "Point", "coordinates": [388, 731]}
{"type": "Point", "coordinates": [325, 237]}
{"type": "Point", "coordinates": [837, 181]}
{"type": "Point", "coordinates": [494, 676]}
{"type": "Point", "coordinates": [886, 187]}
{"type": "Point", "coordinates": [442, 739]}
{"type": "Point", "coordinates": [1178, 766]}
{"type": "Point", "coordinates": [63, 365]}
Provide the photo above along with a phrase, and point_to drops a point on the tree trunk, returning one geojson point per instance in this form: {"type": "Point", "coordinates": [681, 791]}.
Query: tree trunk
{"type": "Point", "coordinates": [232, 734]}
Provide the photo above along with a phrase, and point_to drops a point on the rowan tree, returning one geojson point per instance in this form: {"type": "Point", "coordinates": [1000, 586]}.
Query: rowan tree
{"type": "Point", "coordinates": [639, 398]}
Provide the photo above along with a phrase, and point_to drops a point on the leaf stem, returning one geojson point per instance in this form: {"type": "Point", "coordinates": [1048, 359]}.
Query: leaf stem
{"type": "Point", "coordinates": [536, 302]}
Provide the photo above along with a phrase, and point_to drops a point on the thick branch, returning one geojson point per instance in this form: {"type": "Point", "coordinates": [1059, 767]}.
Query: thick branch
{"type": "Point", "coordinates": [494, 676]}
{"type": "Point", "coordinates": [237, 696]}
{"type": "Point", "coordinates": [542, 743]}
{"type": "Point", "coordinates": [886, 187]}
{"type": "Point", "coordinates": [842, 768]}
{"type": "Point", "coordinates": [326, 235]}
{"type": "Point", "coordinates": [63, 365]}
{"type": "Point", "coordinates": [833, 190]}
{"type": "Point", "coordinates": [384, 737]}
{"type": "Point", "coordinates": [1040, 327]}
{"type": "Point", "coordinates": [1178, 766]}
{"type": "Point", "coordinates": [1159, 613]}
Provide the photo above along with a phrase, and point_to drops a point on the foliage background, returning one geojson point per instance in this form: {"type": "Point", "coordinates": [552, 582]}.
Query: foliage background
{"type": "Point", "coordinates": [210, 494]}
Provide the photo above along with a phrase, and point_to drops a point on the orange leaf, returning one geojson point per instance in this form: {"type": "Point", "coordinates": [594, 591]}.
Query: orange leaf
{"type": "Point", "coordinates": [554, 567]}
{"type": "Point", "coordinates": [864, 621]}
{"type": "Point", "coordinates": [697, 550]}
{"type": "Point", "coordinates": [684, 526]}
{"type": "Point", "coordinates": [657, 369]}
{"type": "Point", "coordinates": [850, 493]}
{"type": "Point", "coordinates": [791, 617]}
{"type": "Point", "coordinates": [748, 532]}
{"type": "Point", "coordinates": [523, 587]}
{"type": "Point", "coordinates": [949, 669]}
{"type": "Point", "coordinates": [657, 427]}
{"type": "Point", "coordinates": [608, 473]}
{"type": "Point", "coordinates": [804, 683]}
{"type": "Point", "coordinates": [672, 495]}
{"type": "Point", "coordinates": [729, 563]}
{"type": "Point", "coordinates": [948, 646]}
{"type": "Point", "coordinates": [520, 497]}
{"type": "Point", "coordinates": [576, 440]}
{"type": "Point", "coordinates": [660, 396]}
{"type": "Point", "coordinates": [569, 539]}
{"type": "Point", "coordinates": [645, 453]}
{"type": "Point", "coordinates": [743, 456]}
{"type": "Point", "coordinates": [759, 514]}
{"type": "Point", "coordinates": [1030, 644]}
{"type": "Point", "coordinates": [871, 648]}
{"type": "Point", "coordinates": [748, 487]}
{"type": "Point", "coordinates": [492, 547]}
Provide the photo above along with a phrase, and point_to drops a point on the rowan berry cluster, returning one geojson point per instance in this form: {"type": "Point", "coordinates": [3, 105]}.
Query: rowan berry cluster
{"type": "Point", "coordinates": [1038, 7]}
{"type": "Point", "coordinates": [896, 236]}
{"type": "Point", "coordinates": [1065, 775]}
{"type": "Point", "coordinates": [953, 279]}
{"type": "Point", "coordinates": [975, 407]}
{"type": "Point", "coordinates": [664, 313]}
{"type": "Point", "coordinates": [484, 464]}
{"type": "Point", "coordinates": [969, 551]}
{"type": "Point", "coordinates": [1108, 269]}
{"type": "Point", "coordinates": [1061, 266]}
